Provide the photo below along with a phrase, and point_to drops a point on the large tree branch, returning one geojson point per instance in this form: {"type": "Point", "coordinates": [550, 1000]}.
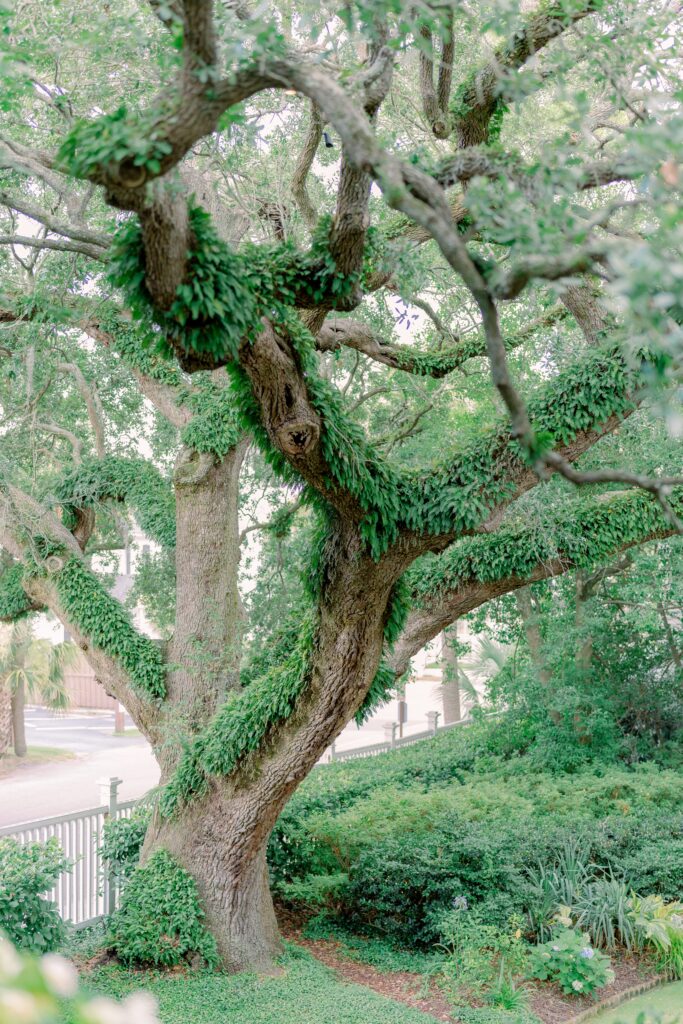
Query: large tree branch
{"type": "Point", "coordinates": [476, 570]}
{"type": "Point", "coordinates": [480, 93]}
{"type": "Point", "coordinates": [76, 232]}
{"type": "Point", "coordinates": [339, 333]}
{"type": "Point", "coordinates": [303, 167]}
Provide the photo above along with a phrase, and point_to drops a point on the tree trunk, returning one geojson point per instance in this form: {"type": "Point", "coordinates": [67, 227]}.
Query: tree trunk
{"type": "Point", "coordinates": [18, 724]}
{"type": "Point", "coordinates": [450, 683]}
{"type": "Point", "coordinates": [207, 839]}
{"type": "Point", "coordinates": [532, 630]}
{"type": "Point", "coordinates": [5, 718]}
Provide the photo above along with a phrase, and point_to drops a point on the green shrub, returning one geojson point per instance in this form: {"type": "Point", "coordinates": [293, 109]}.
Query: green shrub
{"type": "Point", "coordinates": [570, 960]}
{"type": "Point", "coordinates": [122, 840]}
{"type": "Point", "coordinates": [386, 844]}
{"type": "Point", "coordinates": [27, 872]}
{"type": "Point", "coordinates": [160, 922]}
{"type": "Point", "coordinates": [480, 957]}
{"type": "Point", "coordinates": [659, 924]}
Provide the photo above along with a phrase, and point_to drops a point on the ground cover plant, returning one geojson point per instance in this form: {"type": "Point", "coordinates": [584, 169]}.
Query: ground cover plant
{"type": "Point", "coordinates": [305, 992]}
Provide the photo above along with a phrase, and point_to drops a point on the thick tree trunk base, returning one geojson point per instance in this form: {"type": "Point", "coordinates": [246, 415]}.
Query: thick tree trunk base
{"type": "Point", "coordinates": [234, 890]}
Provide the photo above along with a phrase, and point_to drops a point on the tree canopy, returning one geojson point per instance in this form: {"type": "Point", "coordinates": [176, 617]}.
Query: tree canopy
{"type": "Point", "coordinates": [408, 274]}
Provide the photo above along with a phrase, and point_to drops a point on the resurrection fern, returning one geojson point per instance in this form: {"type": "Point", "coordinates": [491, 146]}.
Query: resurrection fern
{"type": "Point", "coordinates": [215, 426]}
{"type": "Point", "coordinates": [102, 619]}
{"type": "Point", "coordinates": [14, 601]}
{"type": "Point", "coordinates": [593, 531]}
{"type": "Point", "coordinates": [135, 481]}
{"type": "Point", "coordinates": [220, 306]}
{"type": "Point", "coordinates": [242, 723]}
{"type": "Point", "coordinates": [460, 493]}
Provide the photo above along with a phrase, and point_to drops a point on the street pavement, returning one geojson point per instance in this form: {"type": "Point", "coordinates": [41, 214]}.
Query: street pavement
{"type": "Point", "coordinates": [35, 791]}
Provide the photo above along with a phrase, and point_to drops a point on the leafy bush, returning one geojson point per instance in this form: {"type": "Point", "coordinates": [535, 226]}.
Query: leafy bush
{"type": "Point", "coordinates": [659, 924]}
{"type": "Point", "coordinates": [385, 845]}
{"type": "Point", "coordinates": [27, 872]}
{"type": "Point", "coordinates": [122, 840]}
{"type": "Point", "coordinates": [603, 909]}
{"type": "Point", "coordinates": [481, 957]}
{"type": "Point", "coordinates": [160, 921]}
{"type": "Point", "coordinates": [570, 960]}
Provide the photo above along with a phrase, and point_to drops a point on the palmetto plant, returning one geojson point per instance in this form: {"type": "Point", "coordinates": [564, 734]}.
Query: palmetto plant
{"type": "Point", "coordinates": [33, 668]}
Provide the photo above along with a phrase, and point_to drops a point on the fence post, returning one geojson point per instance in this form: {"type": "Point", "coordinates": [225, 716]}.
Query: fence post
{"type": "Point", "coordinates": [433, 721]}
{"type": "Point", "coordinates": [390, 733]}
{"type": "Point", "coordinates": [109, 796]}
{"type": "Point", "coordinates": [333, 750]}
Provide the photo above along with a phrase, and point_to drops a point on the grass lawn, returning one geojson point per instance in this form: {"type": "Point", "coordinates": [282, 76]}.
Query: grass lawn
{"type": "Point", "coordinates": [36, 755]}
{"type": "Point", "coordinates": [663, 1000]}
{"type": "Point", "coordinates": [305, 993]}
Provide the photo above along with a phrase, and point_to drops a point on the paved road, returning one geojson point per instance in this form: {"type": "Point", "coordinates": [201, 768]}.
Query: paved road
{"type": "Point", "coordinates": [44, 791]}
{"type": "Point", "coordinates": [79, 731]}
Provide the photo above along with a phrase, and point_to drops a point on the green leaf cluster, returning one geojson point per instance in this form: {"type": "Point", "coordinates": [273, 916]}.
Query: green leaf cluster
{"type": "Point", "coordinates": [28, 871]}
{"type": "Point", "coordinates": [161, 921]}
{"type": "Point", "coordinates": [243, 722]}
{"type": "Point", "coordinates": [111, 140]}
{"type": "Point", "coordinates": [116, 478]}
{"type": "Point", "coordinates": [15, 604]}
{"type": "Point", "coordinates": [103, 620]}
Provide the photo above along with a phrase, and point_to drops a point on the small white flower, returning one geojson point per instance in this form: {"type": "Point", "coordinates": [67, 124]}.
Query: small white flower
{"type": "Point", "coordinates": [141, 1008]}
{"type": "Point", "coordinates": [104, 1011]}
{"type": "Point", "coordinates": [10, 961]}
{"type": "Point", "coordinates": [60, 975]}
{"type": "Point", "coordinates": [577, 986]}
{"type": "Point", "coordinates": [18, 1007]}
{"type": "Point", "coordinates": [556, 949]}
{"type": "Point", "coordinates": [587, 953]}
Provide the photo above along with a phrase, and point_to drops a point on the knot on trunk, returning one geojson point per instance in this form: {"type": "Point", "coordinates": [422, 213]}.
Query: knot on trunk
{"type": "Point", "coordinates": [128, 174]}
{"type": "Point", "coordinates": [297, 436]}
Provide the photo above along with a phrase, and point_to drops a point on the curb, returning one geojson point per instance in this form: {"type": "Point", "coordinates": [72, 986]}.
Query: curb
{"type": "Point", "coordinates": [619, 998]}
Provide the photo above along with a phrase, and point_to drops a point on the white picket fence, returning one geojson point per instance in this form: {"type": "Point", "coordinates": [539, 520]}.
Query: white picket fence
{"type": "Point", "coordinates": [393, 741]}
{"type": "Point", "coordinates": [85, 893]}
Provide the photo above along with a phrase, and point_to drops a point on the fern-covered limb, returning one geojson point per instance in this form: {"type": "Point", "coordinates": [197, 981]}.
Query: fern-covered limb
{"type": "Point", "coordinates": [339, 333]}
{"type": "Point", "coordinates": [469, 489]}
{"type": "Point", "coordinates": [15, 603]}
{"type": "Point", "coordinates": [136, 482]}
{"type": "Point", "coordinates": [55, 577]}
{"type": "Point", "coordinates": [478, 569]}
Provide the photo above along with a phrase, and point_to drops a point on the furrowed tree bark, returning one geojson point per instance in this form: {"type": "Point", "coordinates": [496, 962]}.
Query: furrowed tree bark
{"type": "Point", "coordinates": [18, 722]}
{"type": "Point", "coordinates": [450, 682]}
{"type": "Point", "coordinates": [206, 642]}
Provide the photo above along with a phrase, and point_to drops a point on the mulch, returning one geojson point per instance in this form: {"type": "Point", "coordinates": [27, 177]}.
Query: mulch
{"type": "Point", "coordinates": [547, 1003]}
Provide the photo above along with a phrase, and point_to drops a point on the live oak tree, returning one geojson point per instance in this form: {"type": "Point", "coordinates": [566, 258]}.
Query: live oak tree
{"type": "Point", "coordinates": [237, 213]}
